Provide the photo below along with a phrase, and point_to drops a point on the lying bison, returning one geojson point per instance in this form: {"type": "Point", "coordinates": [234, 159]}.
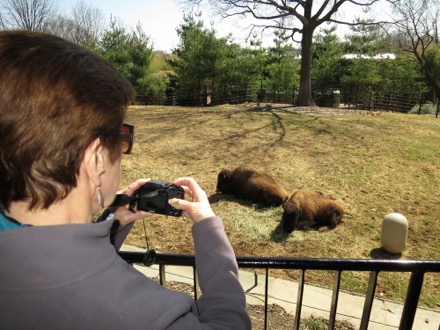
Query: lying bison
{"type": "Point", "coordinates": [310, 210]}
{"type": "Point", "coordinates": [246, 182]}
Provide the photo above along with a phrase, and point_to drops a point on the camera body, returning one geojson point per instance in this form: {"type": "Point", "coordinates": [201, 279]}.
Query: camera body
{"type": "Point", "coordinates": [154, 195]}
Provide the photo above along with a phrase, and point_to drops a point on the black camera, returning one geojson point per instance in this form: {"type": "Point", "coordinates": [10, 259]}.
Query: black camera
{"type": "Point", "coordinates": [154, 195]}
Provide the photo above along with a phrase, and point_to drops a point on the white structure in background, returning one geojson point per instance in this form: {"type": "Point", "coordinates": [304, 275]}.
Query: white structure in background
{"type": "Point", "coordinates": [388, 56]}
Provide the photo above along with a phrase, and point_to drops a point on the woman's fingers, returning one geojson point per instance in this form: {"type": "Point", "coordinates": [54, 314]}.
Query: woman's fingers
{"type": "Point", "coordinates": [192, 188]}
{"type": "Point", "coordinates": [197, 209]}
{"type": "Point", "coordinates": [124, 215]}
{"type": "Point", "coordinates": [131, 188]}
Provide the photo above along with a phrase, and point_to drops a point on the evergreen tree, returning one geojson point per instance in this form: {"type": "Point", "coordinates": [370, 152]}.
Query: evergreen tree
{"type": "Point", "coordinates": [327, 64]}
{"type": "Point", "coordinates": [130, 52]}
{"type": "Point", "coordinates": [198, 61]}
{"type": "Point", "coordinates": [282, 69]}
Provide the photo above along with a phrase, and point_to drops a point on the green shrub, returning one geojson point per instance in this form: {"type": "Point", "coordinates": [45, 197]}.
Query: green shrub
{"type": "Point", "coordinates": [428, 108]}
{"type": "Point", "coordinates": [314, 323]}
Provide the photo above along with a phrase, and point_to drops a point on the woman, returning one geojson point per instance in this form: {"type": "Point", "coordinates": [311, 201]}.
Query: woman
{"type": "Point", "coordinates": [61, 119]}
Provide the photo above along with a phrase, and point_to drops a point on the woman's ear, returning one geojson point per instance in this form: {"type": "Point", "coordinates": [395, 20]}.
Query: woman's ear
{"type": "Point", "coordinates": [94, 161]}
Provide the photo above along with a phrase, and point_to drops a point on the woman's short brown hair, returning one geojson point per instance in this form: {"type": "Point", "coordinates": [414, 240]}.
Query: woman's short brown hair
{"type": "Point", "coordinates": [55, 99]}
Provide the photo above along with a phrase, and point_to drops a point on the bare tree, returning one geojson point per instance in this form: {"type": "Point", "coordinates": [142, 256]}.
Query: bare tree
{"type": "Point", "coordinates": [84, 25]}
{"type": "Point", "coordinates": [32, 15]}
{"type": "Point", "coordinates": [417, 23]}
{"type": "Point", "coordinates": [89, 21]}
{"type": "Point", "coordinates": [297, 17]}
{"type": "Point", "coordinates": [2, 24]}
{"type": "Point", "coordinates": [64, 27]}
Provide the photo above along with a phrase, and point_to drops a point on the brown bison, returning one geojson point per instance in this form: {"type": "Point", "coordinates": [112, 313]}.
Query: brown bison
{"type": "Point", "coordinates": [246, 182]}
{"type": "Point", "coordinates": [310, 210]}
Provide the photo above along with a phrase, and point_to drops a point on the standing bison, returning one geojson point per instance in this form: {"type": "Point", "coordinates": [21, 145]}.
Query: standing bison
{"type": "Point", "coordinates": [309, 210]}
{"type": "Point", "coordinates": [246, 182]}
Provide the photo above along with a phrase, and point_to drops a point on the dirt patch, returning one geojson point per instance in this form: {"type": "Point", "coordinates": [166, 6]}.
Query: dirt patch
{"type": "Point", "coordinates": [277, 317]}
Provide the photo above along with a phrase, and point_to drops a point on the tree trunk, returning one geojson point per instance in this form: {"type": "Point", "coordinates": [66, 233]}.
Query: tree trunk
{"type": "Point", "coordinates": [305, 83]}
{"type": "Point", "coordinates": [438, 106]}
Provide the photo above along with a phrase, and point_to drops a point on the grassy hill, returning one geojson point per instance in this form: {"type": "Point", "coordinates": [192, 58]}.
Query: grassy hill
{"type": "Point", "coordinates": [372, 164]}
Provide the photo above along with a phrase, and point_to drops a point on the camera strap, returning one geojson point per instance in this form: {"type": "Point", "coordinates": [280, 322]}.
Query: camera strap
{"type": "Point", "coordinates": [121, 199]}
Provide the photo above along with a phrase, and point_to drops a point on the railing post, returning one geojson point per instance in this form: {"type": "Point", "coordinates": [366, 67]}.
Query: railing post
{"type": "Point", "coordinates": [299, 299]}
{"type": "Point", "coordinates": [335, 297]}
{"type": "Point", "coordinates": [411, 300]}
{"type": "Point", "coordinates": [196, 284]}
{"type": "Point", "coordinates": [369, 298]}
{"type": "Point", "coordinates": [162, 279]}
{"type": "Point", "coordinates": [266, 298]}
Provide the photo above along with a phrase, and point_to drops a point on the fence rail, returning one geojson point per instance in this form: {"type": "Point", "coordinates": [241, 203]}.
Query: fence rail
{"type": "Point", "coordinates": [383, 101]}
{"type": "Point", "coordinates": [417, 268]}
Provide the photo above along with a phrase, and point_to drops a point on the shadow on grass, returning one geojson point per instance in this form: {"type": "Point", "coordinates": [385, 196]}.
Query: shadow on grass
{"type": "Point", "coordinates": [278, 235]}
{"type": "Point", "coordinates": [217, 197]}
{"type": "Point", "coordinates": [380, 253]}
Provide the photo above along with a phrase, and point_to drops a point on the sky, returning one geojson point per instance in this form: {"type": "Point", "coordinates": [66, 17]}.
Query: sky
{"type": "Point", "coordinates": [160, 18]}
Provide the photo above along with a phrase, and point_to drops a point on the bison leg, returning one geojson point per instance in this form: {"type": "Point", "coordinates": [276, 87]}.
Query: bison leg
{"type": "Point", "coordinates": [306, 224]}
{"type": "Point", "coordinates": [290, 221]}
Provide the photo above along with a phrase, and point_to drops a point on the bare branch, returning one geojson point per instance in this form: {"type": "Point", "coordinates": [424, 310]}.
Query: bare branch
{"type": "Point", "coordinates": [418, 20]}
{"type": "Point", "coordinates": [32, 15]}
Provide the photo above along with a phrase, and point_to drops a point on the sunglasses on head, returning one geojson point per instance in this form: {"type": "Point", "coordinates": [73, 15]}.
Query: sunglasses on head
{"type": "Point", "coordinates": [127, 138]}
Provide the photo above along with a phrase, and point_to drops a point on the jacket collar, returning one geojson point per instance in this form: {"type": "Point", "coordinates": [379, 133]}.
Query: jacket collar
{"type": "Point", "coordinates": [48, 256]}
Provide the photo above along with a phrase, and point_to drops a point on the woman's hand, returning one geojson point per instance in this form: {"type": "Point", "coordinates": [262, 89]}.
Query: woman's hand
{"type": "Point", "coordinates": [122, 213]}
{"type": "Point", "coordinates": [197, 209]}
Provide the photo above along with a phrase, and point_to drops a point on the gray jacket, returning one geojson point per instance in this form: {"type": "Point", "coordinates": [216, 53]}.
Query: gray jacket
{"type": "Point", "coordinates": [71, 277]}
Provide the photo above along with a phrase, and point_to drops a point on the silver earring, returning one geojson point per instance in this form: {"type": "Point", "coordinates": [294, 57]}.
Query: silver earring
{"type": "Point", "coordinates": [100, 198]}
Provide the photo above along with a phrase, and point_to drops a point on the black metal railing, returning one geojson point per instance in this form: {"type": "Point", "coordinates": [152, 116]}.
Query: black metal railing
{"type": "Point", "coordinates": [417, 268]}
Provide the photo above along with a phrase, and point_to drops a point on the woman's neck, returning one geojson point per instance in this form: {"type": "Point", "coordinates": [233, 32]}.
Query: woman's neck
{"type": "Point", "coordinates": [67, 211]}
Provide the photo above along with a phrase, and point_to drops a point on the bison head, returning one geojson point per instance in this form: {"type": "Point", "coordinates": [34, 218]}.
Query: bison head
{"type": "Point", "coordinates": [224, 182]}
{"type": "Point", "coordinates": [291, 214]}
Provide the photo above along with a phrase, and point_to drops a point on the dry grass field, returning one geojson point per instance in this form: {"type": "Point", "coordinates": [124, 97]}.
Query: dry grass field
{"type": "Point", "coordinates": [372, 164]}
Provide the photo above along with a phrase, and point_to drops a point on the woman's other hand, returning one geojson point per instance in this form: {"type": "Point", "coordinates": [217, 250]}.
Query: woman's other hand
{"type": "Point", "coordinates": [199, 207]}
